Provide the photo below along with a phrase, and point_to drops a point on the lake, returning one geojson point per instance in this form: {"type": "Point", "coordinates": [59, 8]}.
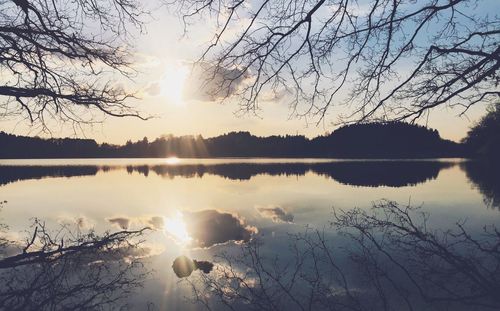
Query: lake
{"type": "Point", "coordinates": [212, 209]}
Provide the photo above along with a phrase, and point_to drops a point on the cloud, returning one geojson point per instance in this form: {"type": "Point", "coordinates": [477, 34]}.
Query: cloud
{"type": "Point", "coordinates": [274, 95]}
{"type": "Point", "coordinates": [157, 222]}
{"type": "Point", "coordinates": [205, 228]}
{"type": "Point", "coordinates": [122, 222]}
{"type": "Point", "coordinates": [277, 214]}
{"type": "Point", "coordinates": [145, 61]}
{"type": "Point", "coordinates": [210, 83]}
{"type": "Point", "coordinates": [153, 89]}
{"type": "Point", "coordinates": [123, 253]}
{"type": "Point", "coordinates": [81, 222]}
{"type": "Point", "coordinates": [143, 251]}
{"type": "Point", "coordinates": [10, 248]}
{"type": "Point", "coordinates": [211, 227]}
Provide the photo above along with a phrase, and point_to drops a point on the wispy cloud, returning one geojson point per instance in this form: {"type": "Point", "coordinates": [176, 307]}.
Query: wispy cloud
{"type": "Point", "coordinates": [209, 83]}
{"type": "Point", "coordinates": [122, 222]}
{"type": "Point", "coordinates": [276, 214]}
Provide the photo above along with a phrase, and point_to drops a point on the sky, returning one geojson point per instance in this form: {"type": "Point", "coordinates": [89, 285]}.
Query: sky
{"type": "Point", "coordinates": [162, 56]}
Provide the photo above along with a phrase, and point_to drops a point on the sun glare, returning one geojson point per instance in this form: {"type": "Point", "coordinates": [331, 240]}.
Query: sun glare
{"type": "Point", "coordinates": [172, 83]}
{"type": "Point", "coordinates": [172, 160]}
{"type": "Point", "coordinates": [176, 228]}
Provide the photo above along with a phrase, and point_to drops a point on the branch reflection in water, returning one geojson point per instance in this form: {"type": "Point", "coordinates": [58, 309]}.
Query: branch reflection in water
{"type": "Point", "coordinates": [394, 262]}
{"type": "Point", "coordinates": [68, 269]}
{"type": "Point", "coordinates": [384, 259]}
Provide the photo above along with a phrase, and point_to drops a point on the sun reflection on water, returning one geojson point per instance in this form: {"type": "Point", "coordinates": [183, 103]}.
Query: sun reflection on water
{"type": "Point", "coordinates": [172, 160]}
{"type": "Point", "coordinates": [175, 227]}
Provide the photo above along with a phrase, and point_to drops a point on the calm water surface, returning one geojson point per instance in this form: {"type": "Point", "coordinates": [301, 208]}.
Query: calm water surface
{"type": "Point", "coordinates": [263, 198]}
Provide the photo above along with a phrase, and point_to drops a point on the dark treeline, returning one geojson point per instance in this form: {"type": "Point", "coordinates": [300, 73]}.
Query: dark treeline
{"type": "Point", "coordinates": [373, 140]}
{"type": "Point", "coordinates": [483, 139]}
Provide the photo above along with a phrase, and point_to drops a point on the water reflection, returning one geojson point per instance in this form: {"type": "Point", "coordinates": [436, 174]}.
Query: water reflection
{"type": "Point", "coordinates": [387, 258]}
{"type": "Point", "coordinates": [176, 228]}
{"type": "Point", "coordinates": [276, 214]}
{"type": "Point", "coordinates": [356, 173]}
{"type": "Point", "coordinates": [14, 173]}
{"type": "Point", "coordinates": [211, 227]}
{"type": "Point", "coordinates": [272, 217]}
{"type": "Point", "coordinates": [485, 176]}
{"type": "Point", "coordinates": [69, 269]}
{"type": "Point", "coordinates": [184, 266]}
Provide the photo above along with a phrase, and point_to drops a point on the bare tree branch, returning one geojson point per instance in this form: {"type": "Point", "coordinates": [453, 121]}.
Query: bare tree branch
{"type": "Point", "coordinates": [58, 58]}
{"type": "Point", "coordinates": [386, 59]}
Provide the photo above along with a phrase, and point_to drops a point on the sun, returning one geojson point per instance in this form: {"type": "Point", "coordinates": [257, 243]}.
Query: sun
{"type": "Point", "coordinates": [172, 83]}
{"type": "Point", "coordinates": [175, 227]}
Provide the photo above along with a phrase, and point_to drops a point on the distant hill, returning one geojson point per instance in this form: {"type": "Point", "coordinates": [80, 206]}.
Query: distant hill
{"type": "Point", "coordinates": [387, 140]}
{"type": "Point", "coordinates": [373, 140]}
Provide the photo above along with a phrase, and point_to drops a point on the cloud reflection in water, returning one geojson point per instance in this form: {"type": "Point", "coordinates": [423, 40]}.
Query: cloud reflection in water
{"type": "Point", "coordinates": [211, 227]}
{"type": "Point", "coordinates": [276, 214]}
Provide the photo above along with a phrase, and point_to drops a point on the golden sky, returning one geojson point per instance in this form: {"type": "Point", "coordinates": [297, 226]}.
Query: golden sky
{"type": "Point", "coordinates": [168, 93]}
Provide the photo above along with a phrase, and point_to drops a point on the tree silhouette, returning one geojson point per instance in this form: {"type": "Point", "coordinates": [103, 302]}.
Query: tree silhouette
{"type": "Point", "coordinates": [483, 139]}
{"type": "Point", "coordinates": [371, 140]}
{"type": "Point", "coordinates": [344, 52]}
{"type": "Point", "coordinates": [58, 59]}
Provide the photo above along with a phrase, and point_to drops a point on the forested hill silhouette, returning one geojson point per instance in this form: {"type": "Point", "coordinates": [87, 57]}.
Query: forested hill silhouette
{"type": "Point", "coordinates": [373, 140]}
{"type": "Point", "coordinates": [386, 140]}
